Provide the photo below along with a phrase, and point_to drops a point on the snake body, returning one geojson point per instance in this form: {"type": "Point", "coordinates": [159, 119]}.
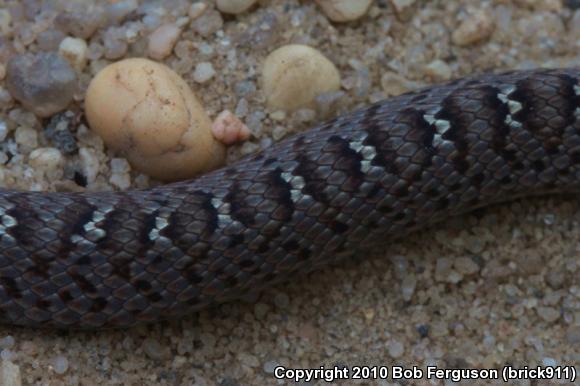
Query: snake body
{"type": "Point", "coordinates": [112, 259]}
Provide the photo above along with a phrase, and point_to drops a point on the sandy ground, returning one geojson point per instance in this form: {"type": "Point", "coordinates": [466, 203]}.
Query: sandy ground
{"type": "Point", "coordinates": [491, 289]}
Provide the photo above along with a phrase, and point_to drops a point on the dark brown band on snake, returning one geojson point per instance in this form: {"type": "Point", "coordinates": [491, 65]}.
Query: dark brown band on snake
{"type": "Point", "coordinates": [88, 260]}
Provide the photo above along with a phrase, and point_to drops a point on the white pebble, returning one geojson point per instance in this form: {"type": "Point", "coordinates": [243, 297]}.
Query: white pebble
{"type": "Point", "coordinates": [89, 163]}
{"type": "Point", "coordinates": [248, 359]}
{"type": "Point", "coordinates": [3, 130]}
{"type": "Point", "coordinates": [7, 355]}
{"type": "Point", "coordinates": [344, 10]}
{"type": "Point", "coordinates": [395, 349]}
{"type": "Point", "coordinates": [74, 50]}
{"type": "Point", "coordinates": [120, 165]}
{"type": "Point", "coordinates": [196, 10]}
{"type": "Point", "coordinates": [10, 374]}
{"type": "Point", "coordinates": [270, 366]}
{"type": "Point", "coordinates": [46, 158]}
{"type": "Point", "coordinates": [203, 72]}
{"type": "Point", "coordinates": [26, 136]}
{"type": "Point", "coordinates": [7, 341]}
{"type": "Point", "coordinates": [549, 314]}
{"type": "Point", "coordinates": [294, 75]}
{"type": "Point", "coordinates": [408, 286]}
{"type": "Point", "coordinates": [154, 350]}
{"type": "Point", "coordinates": [60, 364]}
{"type": "Point", "coordinates": [120, 176]}
{"type": "Point", "coordinates": [394, 84]}
{"type": "Point", "coordinates": [5, 21]}
{"type": "Point", "coordinates": [162, 41]}
{"type": "Point", "coordinates": [234, 6]}
{"type": "Point", "coordinates": [438, 70]}
{"type": "Point", "coordinates": [466, 266]}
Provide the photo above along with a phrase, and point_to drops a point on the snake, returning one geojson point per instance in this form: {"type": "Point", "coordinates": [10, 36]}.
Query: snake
{"type": "Point", "coordinates": [93, 260]}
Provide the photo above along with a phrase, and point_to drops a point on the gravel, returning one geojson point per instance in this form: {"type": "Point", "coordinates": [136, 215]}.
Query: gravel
{"type": "Point", "coordinates": [462, 293]}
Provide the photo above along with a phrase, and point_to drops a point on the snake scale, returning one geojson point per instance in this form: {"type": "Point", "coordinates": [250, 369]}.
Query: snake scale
{"type": "Point", "coordinates": [113, 259]}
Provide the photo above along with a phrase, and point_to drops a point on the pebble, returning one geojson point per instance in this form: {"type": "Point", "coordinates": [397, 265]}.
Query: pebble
{"type": "Point", "coordinates": [281, 300]}
{"type": "Point", "coordinates": [403, 8]}
{"type": "Point", "coordinates": [443, 268]}
{"type": "Point", "coordinates": [305, 115]}
{"type": "Point", "coordinates": [293, 75]}
{"type": "Point", "coordinates": [408, 286]}
{"type": "Point", "coordinates": [549, 314]}
{"type": "Point", "coordinates": [44, 82]}
{"type": "Point", "coordinates": [270, 366]}
{"type": "Point", "coordinates": [162, 41]}
{"type": "Point", "coordinates": [394, 84]}
{"type": "Point", "coordinates": [3, 130]}
{"type": "Point", "coordinates": [438, 70]}
{"type": "Point", "coordinates": [573, 335]}
{"type": "Point", "coordinates": [327, 102]}
{"type": "Point", "coordinates": [47, 159]}
{"type": "Point", "coordinates": [196, 10]}
{"type": "Point", "coordinates": [248, 359]}
{"type": "Point", "coordinates": [120, 176]}
{"type": "Point", "coordinates": [81, 23]}
{"type": "Point", "coordinates": [60, 364]}
{"type": "Point", "coordinates": [75, 51]}
{"type": "Point", "coordinates": [90, 164]}
{"type": "Point", "coordinates": [204, 71]}
{"type": "Point", "coordinates": [465, 266]}
{"type": "Point", "coordinates": [249, 148]}
{"type": "Point", "coordinates": [154, 350]}
{"type": "Point", "coordinates": [279, 132]}
{"type": "Point", "coordinates": [242, 108]}
{"type": "Point", "coordinates": [7, 342]}
{"type": "Point", "coordinates": [344, 10]}
{"type": "Point", "coordinates": [475, 28]}
{"type": "Point", "coordinates": [234, 7]}
{"type": "Point", "coordinates": [7, 355]}
{"type": "Point", "coordinates": [58, 131]}
{"type": "Point", "coordinates": [10, 374]}
{"type": "Point", "coordinates": [261, 310]}
{"type": "Point", "coordinates": [395, 349]}
{"type": "Point", "coordinates": [261, 34]}
{"type": "Point", "coordinates": [5, 22]}
{"type": "Point", "coordinates": [208, 23]}
{"type": "Point", "coordinates": [171, 136]}
{"type": "Point", "coordinates": [423, 330]}
{"type": "Point", "coordinates": [229, 129]}
{"type": "Point", "coordinates": [555, 279]}
{"type": "Point", "coordinates": [245, 88]}
{"type": "Point", "coordinates": [49, 40]}
{"type": "Point", "coordinates": [114, 43]}
{"type": "Point", "coordinates": [116, 11]}
{"type": "Point", "coordinates": [26, 137]}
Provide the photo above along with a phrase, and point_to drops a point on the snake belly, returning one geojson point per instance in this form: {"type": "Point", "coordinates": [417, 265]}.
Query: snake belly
{"type": "Point", "coordinates": [113, 259]}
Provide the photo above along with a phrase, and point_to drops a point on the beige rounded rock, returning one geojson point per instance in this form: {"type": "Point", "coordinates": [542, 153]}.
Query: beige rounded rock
{"type": "Point", "coordinates": [75, 51]}
{"type": "Point", "coordinates": [344, 10]}
{"type": "Point", "coordinates": [234, 7]}
{"type": "Point", "coordinates": [147, 113]}
{"type": "Point", "coordinates": [162, 40]}
{"type": "Point", "coordinates": [293, 75]}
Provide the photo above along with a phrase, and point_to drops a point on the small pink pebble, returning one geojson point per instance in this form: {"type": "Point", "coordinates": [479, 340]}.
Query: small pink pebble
{"type": "Point", "coordinates": [228, 129]}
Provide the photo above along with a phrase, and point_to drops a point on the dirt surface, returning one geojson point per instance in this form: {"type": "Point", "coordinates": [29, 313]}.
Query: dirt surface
{"type": "Point", "coordinates": [494, 288]}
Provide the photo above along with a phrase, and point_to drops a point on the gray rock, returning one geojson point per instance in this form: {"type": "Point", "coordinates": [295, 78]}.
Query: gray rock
{"type": "Point", "coordinates": [44, 82]}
